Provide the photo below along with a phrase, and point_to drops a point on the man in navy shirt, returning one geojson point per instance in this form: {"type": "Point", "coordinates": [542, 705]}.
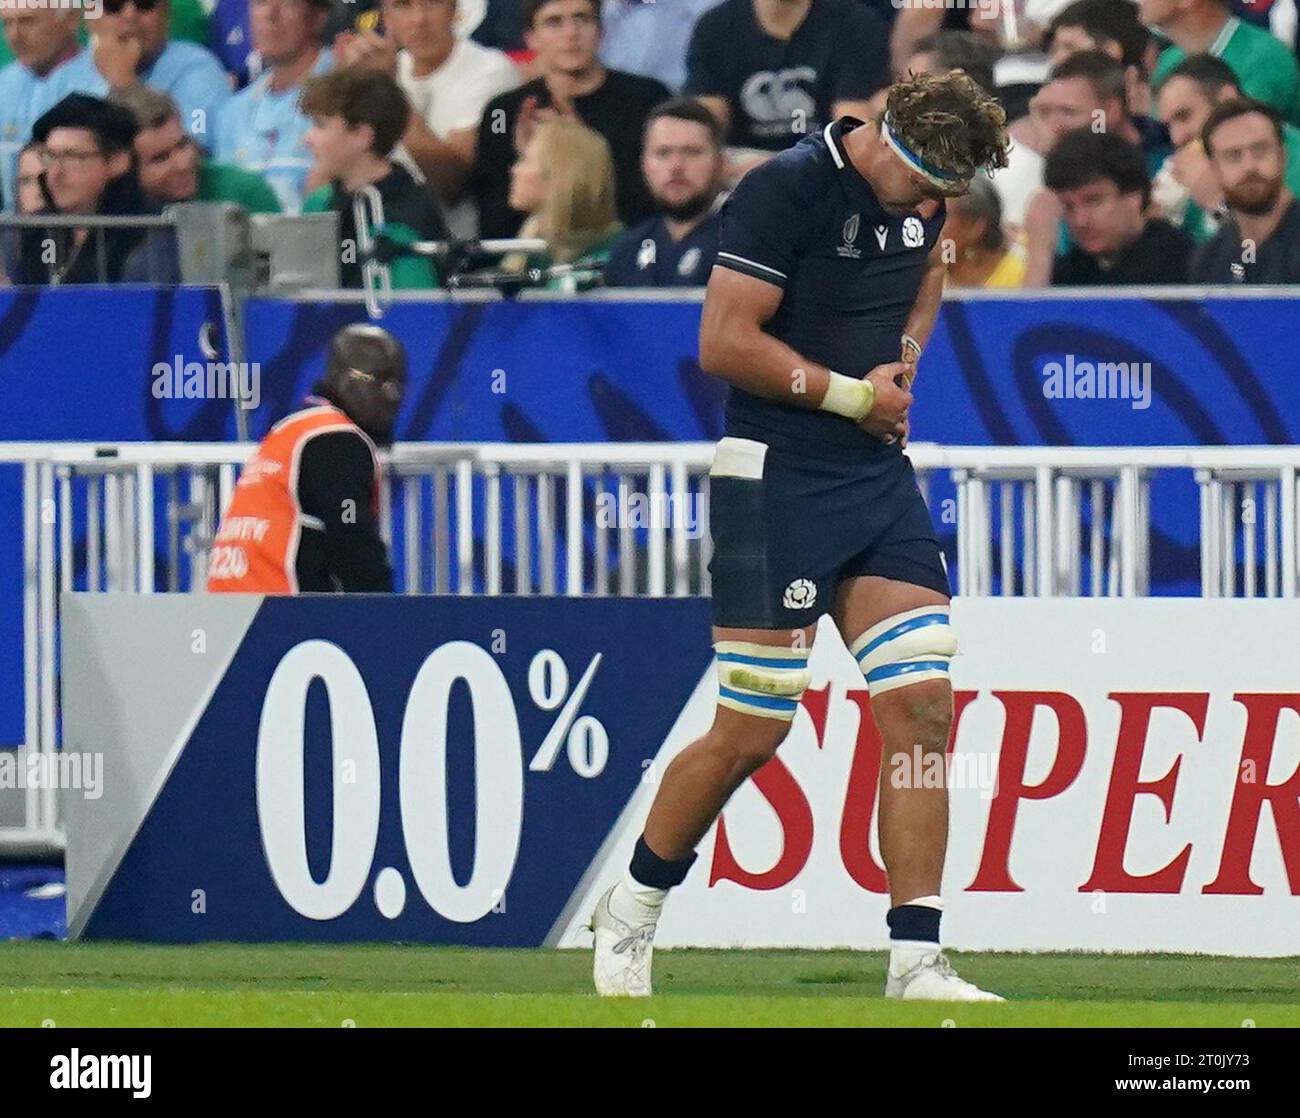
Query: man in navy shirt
{"type": "Point", "coordinates": [826, 288]}
{"type": "Point", "coordinates": [681, 160]}
{"type": "Point", "coordinates": [775, 71]}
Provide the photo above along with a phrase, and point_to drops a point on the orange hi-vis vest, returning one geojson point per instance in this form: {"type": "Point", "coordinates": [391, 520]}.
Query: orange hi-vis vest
{"type": "Point", "coordinates": [256, 548]}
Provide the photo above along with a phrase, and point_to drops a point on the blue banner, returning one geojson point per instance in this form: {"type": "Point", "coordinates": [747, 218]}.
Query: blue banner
{"type": "Point", "coordinates": [80, 364]}
{"type": "Point", "coordinates": [1219, 370]}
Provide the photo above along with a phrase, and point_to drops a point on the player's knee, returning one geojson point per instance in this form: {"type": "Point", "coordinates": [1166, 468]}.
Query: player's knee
{"type": "Point", "coordinates": [906, 650]}
{"type": "Point", "coordinates": [762, 680]}
{"type": "Point", "coordinates": [928, 711]}
{"type": "Point", "coordinates": [745, 745]}
{"type": "Point", "coordinates": [766, 683]}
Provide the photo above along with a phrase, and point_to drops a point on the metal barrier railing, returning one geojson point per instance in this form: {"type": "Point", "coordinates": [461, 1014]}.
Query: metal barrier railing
{"type": "Point", "coordinates": [96, 228]}
{"type": "Point", "coordinates": [621, 518]}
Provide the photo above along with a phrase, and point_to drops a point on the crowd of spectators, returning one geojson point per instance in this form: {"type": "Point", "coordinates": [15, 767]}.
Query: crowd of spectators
{"type": "Point", "coordinates": [1153, 141]}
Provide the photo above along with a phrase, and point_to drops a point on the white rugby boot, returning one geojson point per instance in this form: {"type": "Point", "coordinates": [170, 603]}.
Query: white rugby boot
{"type": "Point", "coordinates": [624, 953]}
{"type": "Point", "coordinates": [927, 975]}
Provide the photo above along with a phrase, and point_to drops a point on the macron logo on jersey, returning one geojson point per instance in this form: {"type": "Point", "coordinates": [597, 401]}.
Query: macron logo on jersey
{"type": "Point", "coordinates": [913, 235]}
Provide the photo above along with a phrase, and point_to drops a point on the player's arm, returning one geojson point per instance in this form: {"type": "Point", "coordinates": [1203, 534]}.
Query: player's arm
{"type": "Point", "coordinates": [920, 323]}
{"type": "Point", "coordinates": [734, 347]}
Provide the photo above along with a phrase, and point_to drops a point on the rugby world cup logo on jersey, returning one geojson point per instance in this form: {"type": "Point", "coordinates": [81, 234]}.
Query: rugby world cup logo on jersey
{"type": "Point", "coordinates": [847, 248]}
{"type": "Point", "coordinates": [913, 233]}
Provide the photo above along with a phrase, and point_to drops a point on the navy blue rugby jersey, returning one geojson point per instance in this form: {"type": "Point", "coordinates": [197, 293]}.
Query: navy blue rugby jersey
{"type": "Point", "coordinates": [809, 223]}
{"type": "Point", "coordinates": [647, 255]}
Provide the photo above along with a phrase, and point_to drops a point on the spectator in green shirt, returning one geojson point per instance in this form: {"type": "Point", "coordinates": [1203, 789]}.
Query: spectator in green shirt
{"type": "Point", "coordinates": [172, 169]}
{"type": "Point", "coordinates": [1186, 189]}
{"type": "Point", "coordinates": [358, 115]}
{"type": "Point", "coordinates": [1265, 67]}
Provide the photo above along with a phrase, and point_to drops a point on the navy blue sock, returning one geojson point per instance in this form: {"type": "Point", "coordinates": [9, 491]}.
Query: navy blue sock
{"type": "Point", "coordinates": [914, 922]}
{"type": "Point", "coordinates": [649, 869]}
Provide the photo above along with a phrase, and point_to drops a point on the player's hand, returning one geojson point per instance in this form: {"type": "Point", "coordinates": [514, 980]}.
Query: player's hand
{"type": "Point", "coordinates": [904, 380]}
{"type": "Point", "coordinates": [887, 419]}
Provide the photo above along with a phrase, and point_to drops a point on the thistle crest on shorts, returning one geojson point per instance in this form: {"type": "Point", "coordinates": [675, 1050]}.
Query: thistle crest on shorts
{"type": "Point", "coordinates": [800, 594]}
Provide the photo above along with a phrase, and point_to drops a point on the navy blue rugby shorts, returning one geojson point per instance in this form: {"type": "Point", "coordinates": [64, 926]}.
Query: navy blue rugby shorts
{"type": "Point", "coordinates": [788, 528]}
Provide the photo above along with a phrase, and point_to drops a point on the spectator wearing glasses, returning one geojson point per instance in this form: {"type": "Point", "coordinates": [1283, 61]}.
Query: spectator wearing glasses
{"type": "Point", "coordinates": [262, 128]}
{"type": "Point", "coordinates": [564, 36]}
{"type": "Point", "coordinates": [1102, 184]}
{"type": "Point", "coordinates": [357, 117]}
{"type": "Point", "coordinates": [44, 42]}
{"type": "Point", "coordinates": [448, 81]}
{"type": "Point", "coordinates": [1259, 241]}
{"type": "Point", "coordinates": [172, 168]}
{"type": "Point", "coordinates": [1186, 189]}
{"type": "Point", "coordinates": [86, 149]}
{"type": "Point", "coordinates": [131, 48]}
{"type": "Point", "coordinates": [682, 163]}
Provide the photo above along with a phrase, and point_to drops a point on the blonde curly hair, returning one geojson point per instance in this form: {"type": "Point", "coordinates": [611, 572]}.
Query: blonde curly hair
{"type": "Point", "coordinates": [950, 122]}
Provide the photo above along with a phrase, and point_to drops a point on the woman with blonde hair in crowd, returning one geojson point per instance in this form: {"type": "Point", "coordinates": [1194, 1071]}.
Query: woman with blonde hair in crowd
{"type": "Point", "coordinates": [564, 182]}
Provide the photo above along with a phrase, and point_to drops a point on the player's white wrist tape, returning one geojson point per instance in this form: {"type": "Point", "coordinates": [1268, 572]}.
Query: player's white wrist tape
{"type": "Point", "coordinates": [911, 343]}
{"type": "Point", "coordinates": [848, 396]}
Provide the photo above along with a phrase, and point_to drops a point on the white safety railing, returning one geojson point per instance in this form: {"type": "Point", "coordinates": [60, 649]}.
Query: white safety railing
{"type": "Point", "coordinates": [624, 519]}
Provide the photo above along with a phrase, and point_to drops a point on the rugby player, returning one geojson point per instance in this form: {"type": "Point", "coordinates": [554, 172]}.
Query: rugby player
{"type": "Point", "coordinates": [825, 289]}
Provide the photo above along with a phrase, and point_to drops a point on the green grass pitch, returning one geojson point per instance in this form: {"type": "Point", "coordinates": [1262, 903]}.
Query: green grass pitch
{"type": "Point", "coordinates": [104, 984]}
